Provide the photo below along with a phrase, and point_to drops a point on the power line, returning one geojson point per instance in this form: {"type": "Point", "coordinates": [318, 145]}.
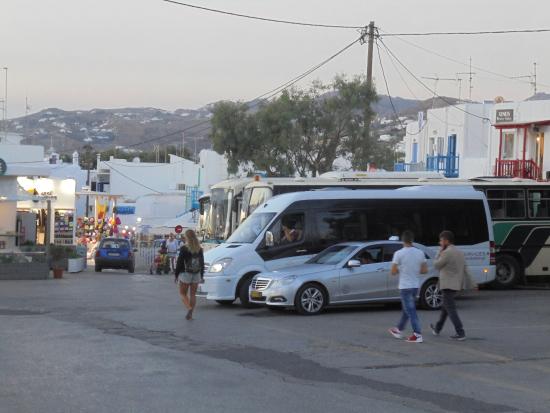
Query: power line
{"type": "Point", "coordinates": [428, 88]}
{"type": "Point", "coordinates": [472, 33]}
{"type": "Point", "coordinates": [266, 19]}
{"type": "Point", "coordinates": [451, 59]}
{"type": "Point", "coordinates": [264, 96]}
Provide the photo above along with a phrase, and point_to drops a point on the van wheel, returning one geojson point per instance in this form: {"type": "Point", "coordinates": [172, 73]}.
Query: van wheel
{"type": "Point", "coordinates": [507, 272]}
{"type": "Point", "coordinates": [430, 295]}
{"type": "Point", "coordinates": [97, 268]}
{"type": "Point", "coordinates": [243, 291]}
{"type": "Point", "coordinates": [310, 299]}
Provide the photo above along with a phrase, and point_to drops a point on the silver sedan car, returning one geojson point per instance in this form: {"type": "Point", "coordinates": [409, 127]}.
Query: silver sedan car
{"type": "Point", "coordinates": [347, 273]}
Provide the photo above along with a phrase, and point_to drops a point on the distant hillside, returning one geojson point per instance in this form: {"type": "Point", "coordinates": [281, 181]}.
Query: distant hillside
{"type": "Point", "coordinates": [106, 128]}
{"type": "Point", "coordinates": [103, 128]}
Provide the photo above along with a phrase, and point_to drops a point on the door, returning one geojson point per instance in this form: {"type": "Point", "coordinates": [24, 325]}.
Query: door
{"type": "Point", "coordinates": [367, 282]}
{"type": "Point", "coordinates": [414, 158]}
{"type": "Point", "coordinates": [290, 245]}
{"type": "Point", "coordinates": [451, 155]}
{"type": "Point", "coordinates": [539, 149]}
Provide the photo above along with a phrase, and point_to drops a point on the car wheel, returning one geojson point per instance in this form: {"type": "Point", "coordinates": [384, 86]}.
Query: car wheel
{"type": "Point", "coordinates": [243, 292]}
{"type": "Point", "coordinates": [430, 295]}
{"type": "Point", "coordinates": [507, 272]}
{"type": "Point", "coordinates": [310, 299]}
{"type": "Point", "coordinates": [225, 303]}
{"type": "Point", "coordinates": [97, 268]}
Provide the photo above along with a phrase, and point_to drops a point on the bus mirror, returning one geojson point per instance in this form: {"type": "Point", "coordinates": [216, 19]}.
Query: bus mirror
{"type": "Point", "coordinates": [269, 239]}
{"type": "Point", "coordinates": [201, 208]}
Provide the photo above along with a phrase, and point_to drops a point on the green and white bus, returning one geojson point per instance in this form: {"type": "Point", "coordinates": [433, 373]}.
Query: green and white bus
{"type": "Point", "coordinates": [520, 209]}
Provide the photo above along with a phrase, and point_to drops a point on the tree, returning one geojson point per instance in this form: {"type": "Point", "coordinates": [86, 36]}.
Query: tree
{"type": "Point", "coordinates": [301, 131]}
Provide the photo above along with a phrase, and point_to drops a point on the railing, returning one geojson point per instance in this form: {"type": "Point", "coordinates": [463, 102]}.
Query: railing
{"type": "Point", "coordinates": [448, 165]}
{"type": "Point", "coordinates": [517, 168]}
{"type": "Point", "coordinates": [408, 167]}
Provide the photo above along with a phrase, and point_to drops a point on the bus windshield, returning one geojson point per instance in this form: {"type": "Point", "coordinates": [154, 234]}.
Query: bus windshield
{"type": "Point", "coordinates": [249, 230]}
{"type": "Point", "coordinates": [220, 210]}
{"type": "Point", "coordinates": [253, 198]}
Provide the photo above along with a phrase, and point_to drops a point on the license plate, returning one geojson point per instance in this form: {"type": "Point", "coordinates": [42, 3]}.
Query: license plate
{"type": "Point", "coordinates": [113, 254]}
{"type": "Point", "coordinates": [255, 294]}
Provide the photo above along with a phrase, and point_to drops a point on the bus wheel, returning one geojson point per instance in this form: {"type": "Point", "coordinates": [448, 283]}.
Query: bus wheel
{"type": "Point", "coordinates": [430, 295]}
{"type": "Point", "coordinates": [507, 272]}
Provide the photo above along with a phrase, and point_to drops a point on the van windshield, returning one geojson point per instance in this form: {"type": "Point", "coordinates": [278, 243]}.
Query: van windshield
{"type": "Point", "coordinates": [332, 255]}
{"type": "Point", "coordinates": [249, 230]}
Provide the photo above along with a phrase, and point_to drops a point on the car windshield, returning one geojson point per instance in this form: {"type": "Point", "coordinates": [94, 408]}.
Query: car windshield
{"type": "Point", "coordinates": [332, 255]}
{"type": "Point", "coordinates": [115, 244]}
{"type": "Point", "coordinates": [249, 230]}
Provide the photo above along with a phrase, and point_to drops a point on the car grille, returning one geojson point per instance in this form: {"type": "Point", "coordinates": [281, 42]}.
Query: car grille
{"type": "Point", "coordinates": [260, 283]}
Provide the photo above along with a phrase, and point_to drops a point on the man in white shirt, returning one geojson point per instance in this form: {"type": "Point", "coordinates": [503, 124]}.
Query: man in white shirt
{"type": "Point", "coordinates": [408, 263]}
{"type": "Point", "coordinates": [172, 247]}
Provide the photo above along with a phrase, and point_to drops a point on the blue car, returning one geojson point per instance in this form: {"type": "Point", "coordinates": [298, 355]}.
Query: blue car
{"type": "Point", "coordinates": [116, 253]}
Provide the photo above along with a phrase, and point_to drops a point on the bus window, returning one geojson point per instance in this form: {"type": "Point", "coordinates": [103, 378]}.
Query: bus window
{"type": "Point", "coordinates": [257, 198]}
{"type": "Point", "coordinates": [539, 204]}
{"type": "Point", "coordinates": [506, 203]}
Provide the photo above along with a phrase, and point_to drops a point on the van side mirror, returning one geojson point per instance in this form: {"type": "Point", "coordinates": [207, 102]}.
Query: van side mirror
{"type": "Point", "coordinates": [353, 264]}
{"type": "Point", "coordinates": [269, 239]}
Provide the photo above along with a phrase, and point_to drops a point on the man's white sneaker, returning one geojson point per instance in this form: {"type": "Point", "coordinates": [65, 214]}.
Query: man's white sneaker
{"type": "Point", "coordinates": [415, 338]}
{"type": "Point", "coordinates": [395, 332]}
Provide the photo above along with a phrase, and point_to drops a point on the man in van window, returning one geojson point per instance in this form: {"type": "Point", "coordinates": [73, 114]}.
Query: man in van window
{"type": "Point", "coordinates": [408, 263]}
{"type": "Point", "coordinates": [452, 270]}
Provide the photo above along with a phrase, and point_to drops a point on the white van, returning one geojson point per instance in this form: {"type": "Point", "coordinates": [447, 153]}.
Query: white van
{"type": "Point", "coordinates": [288, 229]}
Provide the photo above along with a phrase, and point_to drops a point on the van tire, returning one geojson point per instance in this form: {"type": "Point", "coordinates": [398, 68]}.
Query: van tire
{"type": "Point", "coordinates": [430, 295]}
{"type": "Point", "coordinates": [244, 286]}
{"type": "Point", "coordinates": [508, 272]}
{"type": "Point", "coordinates": [318, 304]}
{"type": "Point", "coordinates": [97, 268]}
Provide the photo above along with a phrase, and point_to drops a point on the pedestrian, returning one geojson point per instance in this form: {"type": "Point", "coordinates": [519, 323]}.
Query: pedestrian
{"type": "Point", "coordinates": [408, 263]}
{"type": "Point", "coordinates": [452, 268]}
{"type": "Point", "coordinates": [172, 247]}
{"type": "Point", "coordinates": [189, 271]}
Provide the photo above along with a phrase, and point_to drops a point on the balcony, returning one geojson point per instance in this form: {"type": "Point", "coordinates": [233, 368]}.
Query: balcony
{"type": "Point", "coordinates": [448, 165]}
{"type": "Point", "coordinates": [408, 167]}
{"type": "Point", "coordinates": [517, 168]}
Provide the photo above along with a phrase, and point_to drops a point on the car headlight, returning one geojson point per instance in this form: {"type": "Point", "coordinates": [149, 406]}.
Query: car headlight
{"type": "Point", "coordinates": [220, 265]}
{"type": "Point", "coordinates": [284, 281]}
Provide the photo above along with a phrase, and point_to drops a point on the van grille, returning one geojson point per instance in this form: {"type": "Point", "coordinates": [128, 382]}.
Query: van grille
{"type": "Point", "coordinates": [260, 283]}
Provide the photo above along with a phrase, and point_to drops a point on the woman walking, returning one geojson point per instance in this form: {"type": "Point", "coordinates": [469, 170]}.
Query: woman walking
{"type": "Point", "coordinates": [189, 271]}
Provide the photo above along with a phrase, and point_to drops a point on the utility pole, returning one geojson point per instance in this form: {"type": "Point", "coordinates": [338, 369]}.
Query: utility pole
{"type": "Point", "coordinates": [368, 32]}
{"type": "Point", "coordinates": [6, 104]}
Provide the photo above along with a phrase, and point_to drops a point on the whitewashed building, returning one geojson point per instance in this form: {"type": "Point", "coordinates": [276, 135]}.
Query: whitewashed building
{"type": "Point", "coordinates": [453, 140]}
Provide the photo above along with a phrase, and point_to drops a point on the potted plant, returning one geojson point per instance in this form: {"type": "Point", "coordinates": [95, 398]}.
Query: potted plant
{"type": "Point", "coordinates": [57, 255]}
{"type": "Point", "coordinates": [75, 261]}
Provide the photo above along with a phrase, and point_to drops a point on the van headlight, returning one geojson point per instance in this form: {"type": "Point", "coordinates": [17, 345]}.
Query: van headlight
{"type": "Point", "coordinates": [284, 281]}
{"type": "Point", "coordinates": [220, 265]}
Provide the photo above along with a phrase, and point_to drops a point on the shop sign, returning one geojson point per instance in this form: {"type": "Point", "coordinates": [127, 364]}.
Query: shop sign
{"type": "Point", "coordinates": [124, 210]}
{"type": "Point", "coordinates": [504, 115]}
{"type": "Point", "coordinates": [3, 166]}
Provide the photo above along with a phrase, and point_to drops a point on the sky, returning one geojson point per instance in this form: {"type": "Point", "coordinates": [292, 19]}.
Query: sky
{"type": "Point", "coordinates": [148, 53]}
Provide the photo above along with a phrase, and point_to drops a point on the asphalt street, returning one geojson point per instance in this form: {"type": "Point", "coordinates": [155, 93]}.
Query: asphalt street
{"type": "Point", "coordinates": [115, 342]}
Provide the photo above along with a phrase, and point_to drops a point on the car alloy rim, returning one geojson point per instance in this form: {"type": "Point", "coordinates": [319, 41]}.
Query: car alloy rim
{"type": "Point", "coordinates": [312, 300]}
{"type": "Point", "coordinates": [504, 272]}
{"type": "Point", "coordinates": [433, 296]}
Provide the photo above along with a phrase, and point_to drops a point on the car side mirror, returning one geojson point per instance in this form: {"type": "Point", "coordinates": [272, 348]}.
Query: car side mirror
{"type": "Point", "coordinates": [353, 263]}
{"type": "Point", "coordinates": [269, 239]}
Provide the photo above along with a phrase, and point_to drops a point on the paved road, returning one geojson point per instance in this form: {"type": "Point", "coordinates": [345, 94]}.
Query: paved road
{"type": "Point", "coordinates": [114, 342]}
